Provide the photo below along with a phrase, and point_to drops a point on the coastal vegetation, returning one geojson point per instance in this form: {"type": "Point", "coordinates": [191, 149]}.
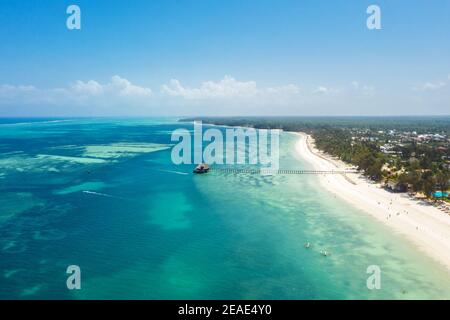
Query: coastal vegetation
{"type": "Point", "coordinates": [405, 153]}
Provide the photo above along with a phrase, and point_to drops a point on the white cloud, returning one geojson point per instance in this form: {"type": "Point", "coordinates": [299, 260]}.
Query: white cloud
{"type": "Point", "coordinates": [6, 89]}
{"type": "Point", "coordinates": [117, 85]}
{"type": "Point", "coordinates": [10, 93]}
{"type": "Point", "coordinates": [433, 85]}
{"type": "Point", "coordinates": [126, 88]}
{"type": "Point", "coordinates": [91, 87]}
{"type": "Point", "coordinates": [362, 89]}
{"type": "Point", "coordinates": [322, 90]}
{"type": "Point", "coordinates": [226, 96]}
{"type": "Point", "coordinates": [335, 94]}
{"type": "Point", "coordinates": [226, 88]}
{"type": "Point", "coordinates": [79, 92]}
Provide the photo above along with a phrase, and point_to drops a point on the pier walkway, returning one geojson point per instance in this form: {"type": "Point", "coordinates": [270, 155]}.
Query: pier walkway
{"type": "Point", "coordinates": [280, 171]}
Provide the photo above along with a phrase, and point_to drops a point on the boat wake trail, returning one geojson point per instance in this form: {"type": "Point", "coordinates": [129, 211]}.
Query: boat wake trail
{"type": "Point", "coordinates": [33, 122]}
{"type": "Point", "coordinates": [176, 172]}
{"type": "Point", "coordinates": [102, 194]}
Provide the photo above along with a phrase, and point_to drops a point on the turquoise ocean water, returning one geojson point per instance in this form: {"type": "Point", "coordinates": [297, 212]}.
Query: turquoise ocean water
{"type": "Point", "coordinates": [103, 194]}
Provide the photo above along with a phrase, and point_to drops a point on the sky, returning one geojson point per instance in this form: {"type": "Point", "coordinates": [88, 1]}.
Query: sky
{"type": "Point", "coordinates": [228, 57]}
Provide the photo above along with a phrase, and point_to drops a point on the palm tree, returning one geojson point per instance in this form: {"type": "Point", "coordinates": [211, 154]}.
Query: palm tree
{"type": "Point", "coordinates": [429, 184]}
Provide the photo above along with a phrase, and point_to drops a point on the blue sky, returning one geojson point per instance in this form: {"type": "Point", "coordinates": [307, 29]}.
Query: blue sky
{"type": "Point", "coordinates": [299, 57]}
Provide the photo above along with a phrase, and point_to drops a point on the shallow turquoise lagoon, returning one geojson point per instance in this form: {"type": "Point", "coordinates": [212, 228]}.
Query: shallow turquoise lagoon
{"type": "Point", "coordinates": [103, 194]}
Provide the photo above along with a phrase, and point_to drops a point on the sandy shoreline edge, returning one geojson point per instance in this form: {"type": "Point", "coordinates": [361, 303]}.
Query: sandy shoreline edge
{"type": "Point", "coordinates": [426, 226]}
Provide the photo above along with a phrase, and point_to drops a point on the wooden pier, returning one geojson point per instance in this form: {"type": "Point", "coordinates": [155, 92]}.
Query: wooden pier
{"type": "Point", "coordinates": [280, 171]}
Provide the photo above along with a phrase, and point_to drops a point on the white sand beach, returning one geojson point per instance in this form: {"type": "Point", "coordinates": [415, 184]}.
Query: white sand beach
{"type": "Point", "coordinates": [423, 224]}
